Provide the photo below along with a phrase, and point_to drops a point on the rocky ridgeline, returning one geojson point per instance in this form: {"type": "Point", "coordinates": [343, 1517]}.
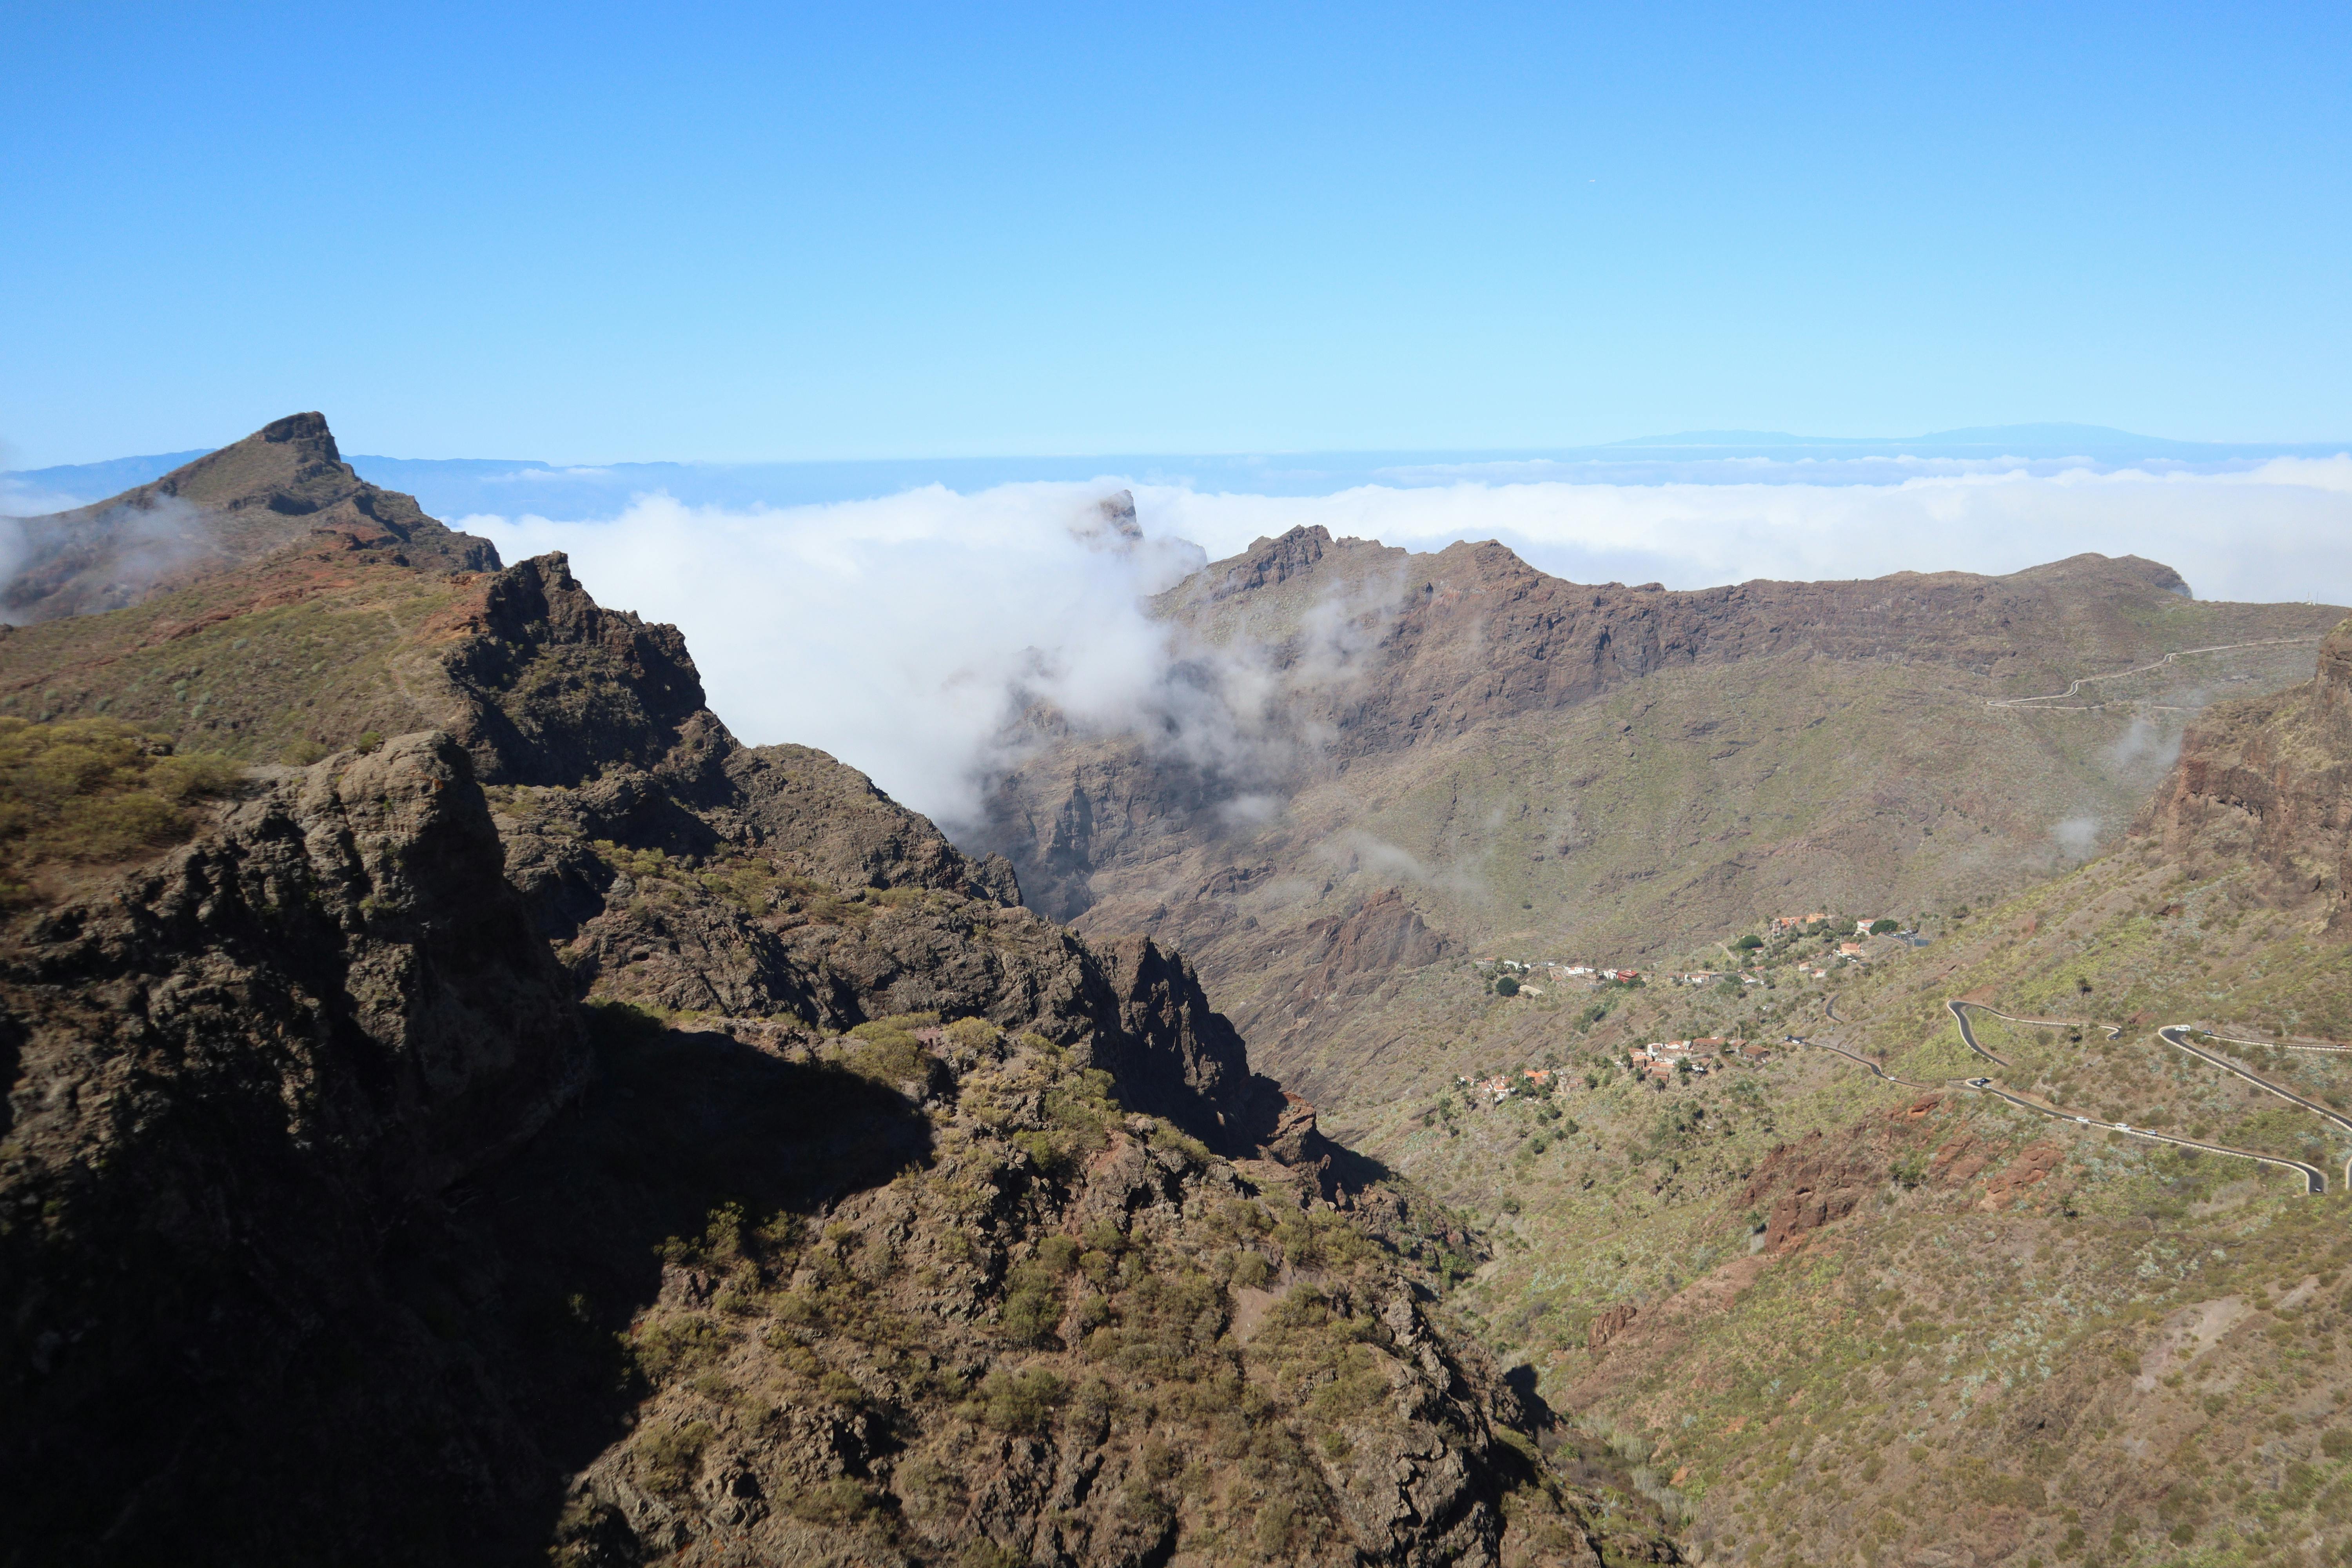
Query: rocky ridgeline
{"type": "Point", "coordinates": [566, 1128]}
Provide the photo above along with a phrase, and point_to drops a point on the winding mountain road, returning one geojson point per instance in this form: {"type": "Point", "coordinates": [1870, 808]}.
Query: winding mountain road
{"type": "Point", "coordinates": [2177, 1035]}
{"type": "Point", "coordinates": [2315, 1180]}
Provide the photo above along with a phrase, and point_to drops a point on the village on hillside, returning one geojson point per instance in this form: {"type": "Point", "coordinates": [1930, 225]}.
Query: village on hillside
{"type": "Point", "coordinates": [1787, 949]}
{"type": "Point", "coordinates": [1808, 945]}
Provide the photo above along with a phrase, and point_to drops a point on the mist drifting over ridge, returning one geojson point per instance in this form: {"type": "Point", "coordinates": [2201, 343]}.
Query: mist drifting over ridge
{"type": "Point", "coordinates": [899, 631]}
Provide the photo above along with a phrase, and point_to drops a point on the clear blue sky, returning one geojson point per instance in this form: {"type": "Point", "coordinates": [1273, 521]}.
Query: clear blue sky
{"type": "Point", "coordinates": [588, 232]}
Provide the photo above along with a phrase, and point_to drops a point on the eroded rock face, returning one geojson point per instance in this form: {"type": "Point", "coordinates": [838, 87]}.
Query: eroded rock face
{"type": "Point", "coordinates": [235, 1068]}
{"type": "Point", "coordinates": [1384, 936]}
{"type": "Point", "coordinates": [2268, 781]}
{"type": "Point", "coordinates": [1808, 1184]}
{"type": "Point", "coordinates": [557, 688]}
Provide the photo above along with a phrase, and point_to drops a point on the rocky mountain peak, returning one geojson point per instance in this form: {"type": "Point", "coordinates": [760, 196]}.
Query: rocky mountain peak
{"type": "Point", "coordinates": [1270, 561]}
{"type": "Point", "coordinates": [282, 488]}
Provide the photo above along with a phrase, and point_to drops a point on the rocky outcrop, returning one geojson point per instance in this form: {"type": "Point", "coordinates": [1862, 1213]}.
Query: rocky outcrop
{"type": "Point", "coordinates": [1608, 1323]}
{"type": "Point", "coordinates": [235, 1070]}
{"type": "Point", "coordinates": [1808, 1184]}
{"type": "Point", "coordinates": [1383, 936]}
{"type": "Point", "coordinates": [838, 827]}
{"type": "Point", "coordinates": [1180, 1058]}
{"type": "Point", "coordinates": [555, 688]}
{"type": "Point", "coordinates": [283, 486]}
{"type": "Point", "coordinates": [2267, 782]}
{"type": "Point", "coordinates": [1109, 1354]}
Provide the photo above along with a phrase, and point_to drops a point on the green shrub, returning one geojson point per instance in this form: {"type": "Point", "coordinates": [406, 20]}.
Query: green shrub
{"type": "Point", "coordinates": [885, 1053]}
{"type": "Point", "coordinates": [1507, 986]}
{"type": "Point", "coordinates": [1023, 1402]}
{"type": "Point", "coordinates": [2336, 1444]}
{"type": "Point", "coordinates": [1052, 1154]}
{"type": "Point", "coordinates": [1028, 1317]}
{"type": "Point", "coordinates": [1174, 1139]}
{"type": "Point", "coordinates": [673, 1456]}
{"type": "Point", "coordinates": [1252, 1270]}
{"type": "Point", "coordinates": [675, 1345]}
{"type": "Point", "coordinates": [1275, 1519]}
{"type": "Point", "coordinates": [973, 1036]}
{"type": "Point", "coordinates": [838, 1501]}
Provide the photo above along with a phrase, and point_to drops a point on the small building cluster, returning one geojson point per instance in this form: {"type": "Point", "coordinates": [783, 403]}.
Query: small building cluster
{"type": "Point", "coordinates": [1664, 1058]}
{"type": "Point", "coordinates": [1501, 1087]}
{"type": "Point", "coordinates": [1589, 974]}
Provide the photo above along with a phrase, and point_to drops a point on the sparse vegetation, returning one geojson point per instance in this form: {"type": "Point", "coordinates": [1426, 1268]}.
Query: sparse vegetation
{"type": "Point", "coordinates": [93, 792]}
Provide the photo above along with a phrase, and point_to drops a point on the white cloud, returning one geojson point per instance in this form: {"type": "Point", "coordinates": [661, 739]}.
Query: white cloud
{"type": "Point", "coordinates": [886, 632]}
{"type": "Point", "coordinates": [2281, 530]}
{"type": "Point", "coordinates": [890, 631]}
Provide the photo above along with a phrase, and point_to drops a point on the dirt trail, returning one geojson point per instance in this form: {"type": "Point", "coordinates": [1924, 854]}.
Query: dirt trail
{"type": "Point", "coordinates": [2073, 688]}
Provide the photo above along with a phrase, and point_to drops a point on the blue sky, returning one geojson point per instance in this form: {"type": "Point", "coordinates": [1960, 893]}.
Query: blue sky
{"type": "Point", "coordinates": [602, 233]}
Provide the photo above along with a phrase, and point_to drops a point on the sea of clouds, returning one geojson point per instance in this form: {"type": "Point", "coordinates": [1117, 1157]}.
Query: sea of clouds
{"type": "Point", "coordinates": [896, 632]}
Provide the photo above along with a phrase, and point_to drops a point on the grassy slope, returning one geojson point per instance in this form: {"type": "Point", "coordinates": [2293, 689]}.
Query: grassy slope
{"type": "Point", "coordinates": [278, 664]}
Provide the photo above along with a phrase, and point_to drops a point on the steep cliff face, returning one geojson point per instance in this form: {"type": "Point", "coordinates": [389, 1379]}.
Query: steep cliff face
{"type": "Point", "coordinates": [2268, 781]}
{"type": "Point", "coordinates": [548, 686]}
{"type": "Point", "coordinates": [1369, 651]}
{"type": "Point", "coordinates": [286, 485]}
{"type": "Point", "coordinates": [1396, 650]}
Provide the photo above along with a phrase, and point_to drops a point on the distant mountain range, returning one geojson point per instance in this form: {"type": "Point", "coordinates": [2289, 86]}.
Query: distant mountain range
{"type": "Point", "coordinates": [513, 486]}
